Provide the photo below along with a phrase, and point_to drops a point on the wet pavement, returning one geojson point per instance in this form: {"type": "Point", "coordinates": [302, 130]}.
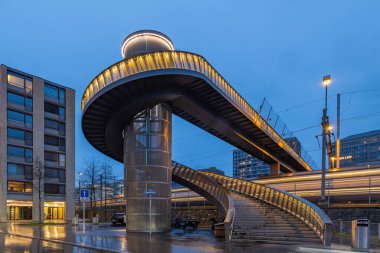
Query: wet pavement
{"type": "Point", "coordinates": [114, 239]}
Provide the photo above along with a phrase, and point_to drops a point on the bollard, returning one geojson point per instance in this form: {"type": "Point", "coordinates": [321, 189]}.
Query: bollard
{"type": "Point", "coordinates": [360, 234]}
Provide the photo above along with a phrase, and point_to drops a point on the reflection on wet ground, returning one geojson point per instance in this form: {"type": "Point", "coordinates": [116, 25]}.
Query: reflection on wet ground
{"type": "Point", "coordinates": [116, 239]}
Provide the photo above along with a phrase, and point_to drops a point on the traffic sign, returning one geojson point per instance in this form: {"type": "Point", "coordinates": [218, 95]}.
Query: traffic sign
{"type": "Point", "coordinates": [84, 195]}
{"type": "Point", "coordinates": [150, 192]}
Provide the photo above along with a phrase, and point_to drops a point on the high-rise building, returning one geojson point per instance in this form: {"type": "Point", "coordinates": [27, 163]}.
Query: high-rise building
{"type": "Point", "coordinates": [37, 153]}
{"type": "Point", "coordinates": [246, 166]}
{"type": "Point", "coordinates": [359, 150]}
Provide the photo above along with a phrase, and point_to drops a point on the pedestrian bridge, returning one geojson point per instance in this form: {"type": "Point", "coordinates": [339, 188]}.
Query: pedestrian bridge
{"type": "Point", "coordinates": [197, 93]}
{"type": "Point", "coordinates": [126, 114]}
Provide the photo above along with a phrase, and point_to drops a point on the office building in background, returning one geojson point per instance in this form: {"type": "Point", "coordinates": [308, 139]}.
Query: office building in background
{"type": "Point", "coordinates": [359, 150]}
{"type": "Point", "coordinates": [36, 125]}
{"type": "Point", "coordinates": [246, 166]}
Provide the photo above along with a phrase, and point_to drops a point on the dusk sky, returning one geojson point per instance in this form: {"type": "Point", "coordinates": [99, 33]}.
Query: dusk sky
{"type": "Point", "coordinates": [275, 49]}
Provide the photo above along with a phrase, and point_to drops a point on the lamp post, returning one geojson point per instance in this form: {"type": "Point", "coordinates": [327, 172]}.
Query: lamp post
{"type": "Point", "coordinates": [326, 81]}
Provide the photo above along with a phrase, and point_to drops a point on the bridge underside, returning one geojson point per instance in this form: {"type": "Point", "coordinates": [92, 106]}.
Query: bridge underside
{"type": "Point", "coordinates": [193, 97]}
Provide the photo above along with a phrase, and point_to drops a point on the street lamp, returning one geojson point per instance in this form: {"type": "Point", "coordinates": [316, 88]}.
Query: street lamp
{"type": "Point", "coordinates": [326, 81]}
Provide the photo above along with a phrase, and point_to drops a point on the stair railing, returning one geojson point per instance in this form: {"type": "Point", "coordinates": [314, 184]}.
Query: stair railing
{"type": "Point", "coordinates": [306, 211]}
{"type": "Point", "coordinates": [209, 188]}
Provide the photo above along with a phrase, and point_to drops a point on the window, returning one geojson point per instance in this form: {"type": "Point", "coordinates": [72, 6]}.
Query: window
{"type": "Point", "coordinates": [20, 83]}
{"type": "Point", "coordinates": [55, 125]}
{"type": "Point", "coordinates": [25, 136]}
{"type": "Point", "coordinates": [51, 156]}
{"type": "Point", "coordinates": [20, 119]}
{"type": "Point", "coordinates": [19, 169]}
{"type": "Point", "coordinates": [54, 189]}
{"type": "Point", "coordinates": [19, 152]}
{"type": "Point", "coordinates": [55, 109]}
{"type": "Point", "coordinates": [51, 91]}
{"type": "Point", "coordinates": [55, 157]}
{"type": "Point", "coordinates": [25, 103]}
{"type": "Point", "coordinates": [17, 186]}
{"type": "Point", "coordinates": [15, 169]}
{"type": "Point", "coordinates": [56, 173]}
{"type": "Point", "coordinates": [62, 160]}
{"type": "Point", "coordinates": [54, 93]}
{"type": "Point", "coordinates": [51, 140]}
{"type": "Point", "coordinates": [55, 141]}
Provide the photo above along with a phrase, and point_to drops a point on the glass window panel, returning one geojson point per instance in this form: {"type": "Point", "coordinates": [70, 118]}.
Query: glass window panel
{"type": "Point", "coordinates": [28, 172]}
{"type": "Point", "coordinates": [16, 99]}
{"type": "Point", "coordinates": [51, 91]}
{"type": "Point", "coordinates": [62, 96]}
{"type": "Point", "coordinates": [52, 124]}
{"type": "Point", "coordinates": [62, 176]}
{"type": "Point", "coordinates": [62, 189]}
{"type": "Point", "coordinates": [61, 113]}
{"type": "Point", "coordinates": [29, 138]}
{"type": "Point", "coordinates": [62, 144]}
{"type": "Point", "coordinates": [15, 169]}
{"type": "Point", "coordinates": [51, 156]}
{"type": "Point", "coordinates": [62, 130]}
{"type": "Point", "coordinates": [29, 121]}
{"type": "Point", "coordinates": [15, 151]}
{"type": "Point", "coordinates": [15, 116]}
{"type": "Point", "coordinates": [51, 140]}
{"type": "Point", "coordinates": [16, 80]}
{"type": "Point", "coordinates": [28, 86]}
{"type": "Point", "coordinates": [51, 108]}
{"type": "Point", "coordinates": [14, 186]}
{"type": "Point", "coordinates": [16, 134]}
{"type": "Point", "coordinates": [28, 187]}
{"type": "Point", "coordinates": [62, 160]}
{"type": "Point", "coordinates": [28, 155]}
{"type": "Point", "coordinates": [28, 104]}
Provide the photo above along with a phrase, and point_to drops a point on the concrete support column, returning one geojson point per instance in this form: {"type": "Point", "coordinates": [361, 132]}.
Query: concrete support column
{"type": "Point", "coordinates": [38, 142]}
{"type": "Point", "coordinates": [3, 143]}
{"type": "Point", "coordinates": [274, 169]}
{"type": "Point", "coordinates": [70, 155]}
{"type": "Point", "coordinates": [148, 168]}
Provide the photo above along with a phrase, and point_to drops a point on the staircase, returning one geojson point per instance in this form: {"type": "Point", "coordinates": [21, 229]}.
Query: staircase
{"type": "Point", "coordinates": [258, 221]}
{"type": "Point", "coordinates": [256, 212]}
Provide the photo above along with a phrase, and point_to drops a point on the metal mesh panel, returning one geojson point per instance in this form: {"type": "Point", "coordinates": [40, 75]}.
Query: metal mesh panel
{"type": "Point", "coordinates": [148, 168]}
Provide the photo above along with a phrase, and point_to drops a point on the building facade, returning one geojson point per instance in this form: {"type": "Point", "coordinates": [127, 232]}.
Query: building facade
{"type": "Point", "coordinates": [246, 166]}
{"type": "Point", "coordinates": [359, 150]}
{"type": "Point", "coordinates": [37, 152]}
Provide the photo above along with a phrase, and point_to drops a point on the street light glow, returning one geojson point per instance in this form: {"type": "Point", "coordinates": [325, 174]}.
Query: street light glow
{"type": "Point", "coordinates": [326, 80]}
{"type": "Point", "coordinates": [330, 127]}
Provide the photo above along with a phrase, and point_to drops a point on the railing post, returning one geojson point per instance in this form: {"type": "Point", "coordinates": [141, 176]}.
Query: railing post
{"type": "Point", "coordinates": [327, 234]}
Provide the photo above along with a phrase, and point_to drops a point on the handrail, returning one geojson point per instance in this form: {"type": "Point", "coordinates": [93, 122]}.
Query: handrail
{"type": "Point", "coordinates": [193, 62]}
{"type": "Point", "coordinates": [198, 181]}
{"type": "Point", "coordinates": [306, 211]}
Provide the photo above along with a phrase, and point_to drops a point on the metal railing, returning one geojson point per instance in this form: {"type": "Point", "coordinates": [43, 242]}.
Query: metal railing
{"type": "Point", "coordinates": [193, 62]}
{"type": "Point", "coordinates": [306, 211]}
{"type": "Point", "coordinates": [209, 188]}
{"type": "Point", "coordinates": [268, 113]}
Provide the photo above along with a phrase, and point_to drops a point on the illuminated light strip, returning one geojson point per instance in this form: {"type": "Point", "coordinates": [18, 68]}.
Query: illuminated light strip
{"type": "Point", "coordinates": [170, 44]}
{"type": "Point", "coordinates": [178, 62]}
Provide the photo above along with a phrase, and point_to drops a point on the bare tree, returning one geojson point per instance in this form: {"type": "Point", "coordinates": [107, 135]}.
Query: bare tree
{"type": "Point", "coordinates": [38, 184]}
{"type": "Point", "coordinates": [91, 172]}
{"type": "Point", "coordinates": [106, 178]}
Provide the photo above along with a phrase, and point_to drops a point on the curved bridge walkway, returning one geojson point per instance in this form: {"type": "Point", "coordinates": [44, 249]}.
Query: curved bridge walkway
{"type": "Point", "coordinates": [256, 212]}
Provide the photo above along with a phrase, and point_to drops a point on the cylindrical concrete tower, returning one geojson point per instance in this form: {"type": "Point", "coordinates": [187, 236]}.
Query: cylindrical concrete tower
{"type": "Point", "coordinates": [147, 151]}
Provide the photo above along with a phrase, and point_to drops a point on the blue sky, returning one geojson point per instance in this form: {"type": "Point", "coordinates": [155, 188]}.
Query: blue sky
{"type": "Point", "coordinates": [278, 49]}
